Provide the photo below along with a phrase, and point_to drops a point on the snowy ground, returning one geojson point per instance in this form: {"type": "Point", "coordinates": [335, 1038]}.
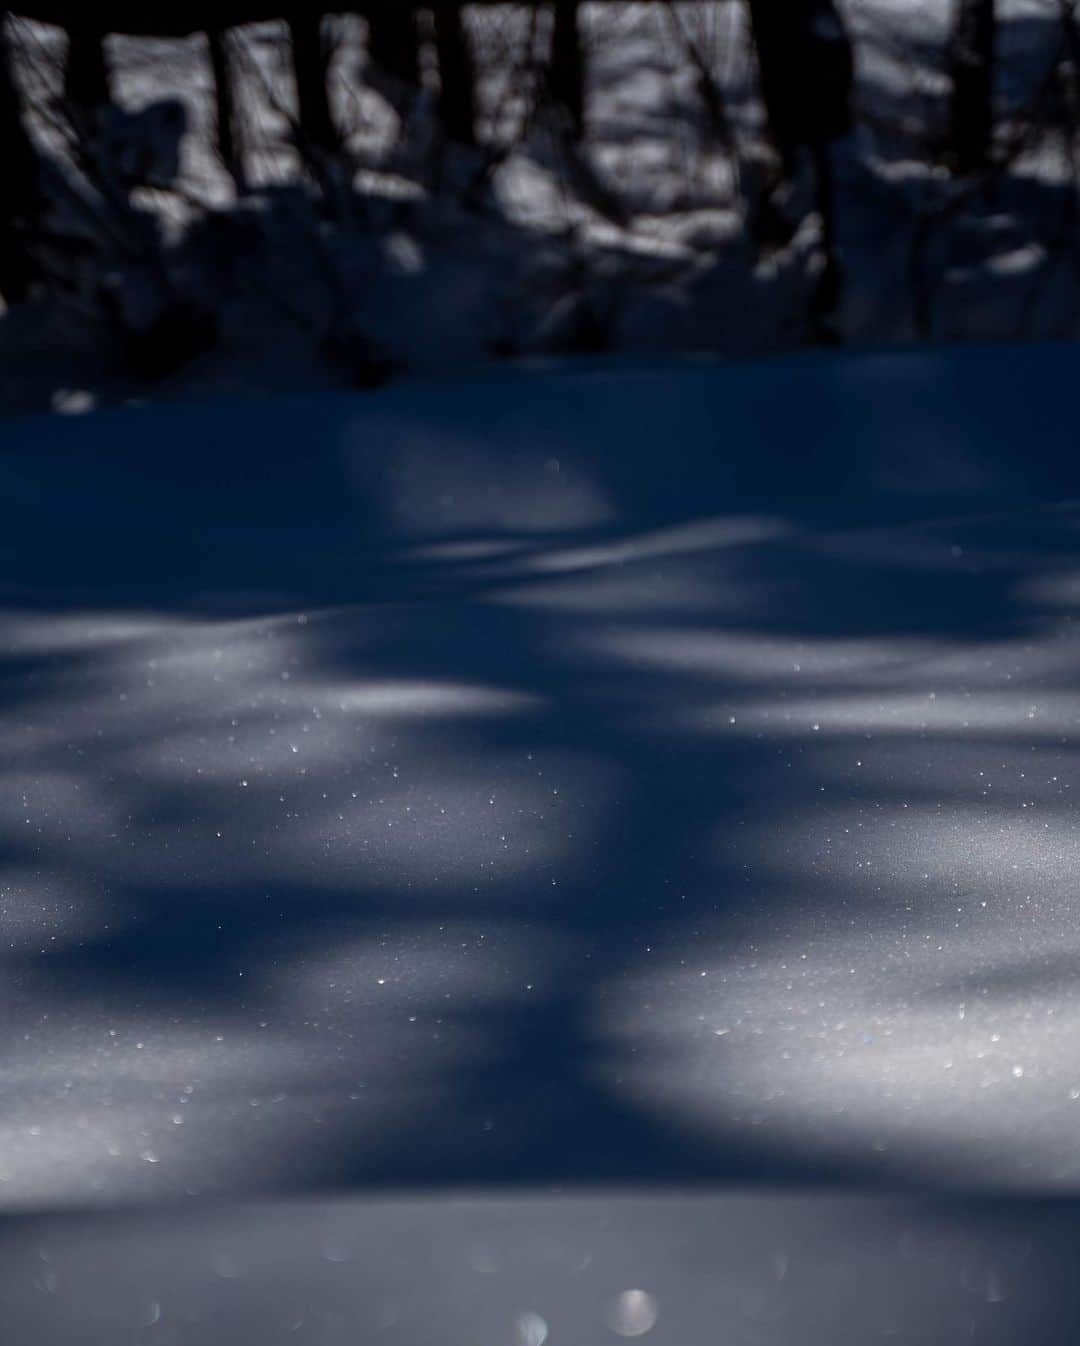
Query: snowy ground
{"type": "Point", "coordinates": [670, 1269]}
{"type": "Point", "coordinates": [444, 790]}
{"type": "Point", "coordinates": [663, 264]}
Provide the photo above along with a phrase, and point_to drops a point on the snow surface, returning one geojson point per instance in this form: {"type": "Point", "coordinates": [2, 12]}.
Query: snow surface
{"type": "Point", "coordinates": [579, 778]}
{"type": "Point", "coordinates": [670, 1269]}
{"type": "Point", "coordinates": [447, 786]}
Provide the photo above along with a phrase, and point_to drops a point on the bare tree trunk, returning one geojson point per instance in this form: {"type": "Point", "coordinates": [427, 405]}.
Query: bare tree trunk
{"type": "Point", "coordinates": [311, 69]}
{"type": "Point", "coordinates": [86, 73]}
{"type": "Point", "coordinates": [567, 69]}
{"type": "Point", "coordinates": [457, 75]}
{"type": "Point", "coordinates": [393, 45]}
{"type": "Point", "coordinates": [806, 73]}
{"type": "Point", "coordinates": [970, 61]}
{"type": "Point", "coordinates": [805, 69]}
{"type": "Point", "coordinates": [777, 46]}
{"type": "Point", "coordinates": [827, 292]}
{"type": "Point", "coordinates": [229, 130]}
{"type": "Point", "coordinates": [19, 201]}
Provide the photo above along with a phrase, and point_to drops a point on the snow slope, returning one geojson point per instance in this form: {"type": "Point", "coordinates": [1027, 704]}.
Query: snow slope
{"type": "Point", "coordinates": [580, 778]}
{"type": "Point", "coordinates": [396, 787]}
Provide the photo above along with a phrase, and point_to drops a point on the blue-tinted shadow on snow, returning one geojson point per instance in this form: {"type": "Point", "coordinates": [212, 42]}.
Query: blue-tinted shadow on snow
{"type": "Point", "coordinates": [632, 809]}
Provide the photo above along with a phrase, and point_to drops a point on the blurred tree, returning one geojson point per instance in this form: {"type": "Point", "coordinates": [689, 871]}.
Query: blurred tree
{"type": "Point", "coordinates": [970, 63]}
{"type": "Point", "coordinates": [457, 74]}
{"type": "Point", "coordinates": [311, 60]}
{"type": "Point", "coordinates": [566, 74]}
{"type": "Point", "coordinates": [806, 72]}
{"type": "Point", "coordinates": [393, 44]}
{"type": "Point", "coordinates": [86, 72]}
{"type": "Point", "coordinates": [806, 69]}
{"type": "Point", "coordinates": [19, 202]}
{"type": "Point", "coordinates": [229, 128]}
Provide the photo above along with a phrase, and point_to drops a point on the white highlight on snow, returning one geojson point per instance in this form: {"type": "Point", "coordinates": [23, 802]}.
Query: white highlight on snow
{"type": "Point", "coordinates": [633, 1313]}
{"type": "Point", "coordinates": [532, 1329]}
{"type": "Point", "coordinates": [683, 540]}
{"type": "Point", "coordinates": [43, 910]}
{"type": "Point", "coordinates": [406, 698]}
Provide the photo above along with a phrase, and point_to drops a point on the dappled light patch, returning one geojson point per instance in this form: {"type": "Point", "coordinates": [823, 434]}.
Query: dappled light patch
{"type": "Point", "coordinates": [43, 910]}
{"type": "Point", "coordinates": [55, 805]}
{"type": "Point", "coordinates": [478, 550]}
{"type": "Point", "coordinates": [51, 633]}
{"type": "Point", "coordinates": [261, 751]}
{"type": "Point", "coordinates": [914, 1058]}
{"type": "Point", "coordinates": [245, 979]}
{"type": "Point", "coordinates": [624, 590]}
{"type": "Point", "coordinates": [731, 654]}
{"type": "Point", "coordinates": [429, 970]}
{"type": "Point", "coordinates": [150, 1106]}
{"type": "Point", "coordinates": [739, 682]}
{"type": "Point", "coordinates": [1002, 861]}
{"type": "Point", "coordinates": [983, 771]}
{"type": "Point", "coordinates": [1008, 714]}
{"type": "Point", "coordinates": [1058, 589]}
{"type": "Point", "coordinates": [703, 535]}
{"type": "Point", "coordinates": [227, 748]}
{"type": "Point", "coordinates": [653, 571]}
{"type": "Point", "coordinates": [403, 699]}
{"type": "Point", "coordinates": [429, 828]}
{"type": "Point", "coordinates": [892, 987]}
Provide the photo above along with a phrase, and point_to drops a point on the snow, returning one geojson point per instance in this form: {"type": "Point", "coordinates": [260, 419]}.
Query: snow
{"type": "Point", "coordinates": [396, 787]}
{"type": "Point", "coordinates": [781, 1270]}
{"type": "Point", "coordinates": [580, 776]}
{"type": "Point", "coordinates": [553, 846]}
